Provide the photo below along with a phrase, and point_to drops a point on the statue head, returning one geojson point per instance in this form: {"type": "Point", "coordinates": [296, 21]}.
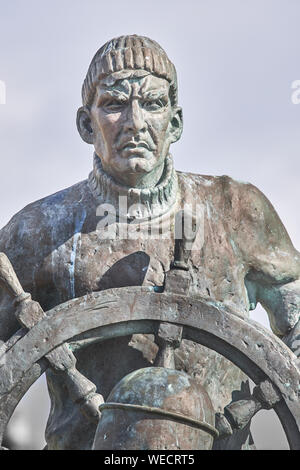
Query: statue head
{"type": "Point", "coordinates": [130, 111]}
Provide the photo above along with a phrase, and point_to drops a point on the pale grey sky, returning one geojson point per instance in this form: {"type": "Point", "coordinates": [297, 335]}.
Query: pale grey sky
{"type": "Point", "coordinates": [236, 61]}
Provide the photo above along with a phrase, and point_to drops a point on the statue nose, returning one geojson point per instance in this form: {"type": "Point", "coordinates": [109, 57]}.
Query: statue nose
{"type": "Point", "coordinates": [135, 118]}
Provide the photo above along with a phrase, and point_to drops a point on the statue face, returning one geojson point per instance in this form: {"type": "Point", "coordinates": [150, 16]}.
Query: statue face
{"type": "Point", "coordinates": [133, 124]}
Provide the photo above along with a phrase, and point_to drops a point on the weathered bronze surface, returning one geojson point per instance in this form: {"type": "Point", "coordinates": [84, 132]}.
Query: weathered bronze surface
{"type": "Point", "coordinates": [115, 313]}
{"type": "Point", "coordinates": [156, 409]}
{"type": "Point", "coordinates": [59, 249]}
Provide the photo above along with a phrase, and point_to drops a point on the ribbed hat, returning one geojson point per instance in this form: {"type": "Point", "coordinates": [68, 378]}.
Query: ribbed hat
{"type": "Point", "coordinates": [129, 52]}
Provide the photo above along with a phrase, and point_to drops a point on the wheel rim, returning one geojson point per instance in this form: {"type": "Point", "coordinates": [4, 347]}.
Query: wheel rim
{"type": "Point", "coordinates": [124, 311]}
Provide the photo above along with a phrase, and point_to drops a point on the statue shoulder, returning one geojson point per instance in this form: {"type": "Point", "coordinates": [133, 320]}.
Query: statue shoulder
{"type": "Point", "coordinates": [257, 211]}
{"type": "Point", "coordinates": [252, 223]}
{"type": "Point", "coordinates": [263, 237]}
{"type": "Point", "coordinates": [243, 200]}
{"type": "Point", "coordinates": [33, 229]}
{"type": "Point", "coordinates": [222, 192]}
{"type": "Point", "coordinates": [213, 181]}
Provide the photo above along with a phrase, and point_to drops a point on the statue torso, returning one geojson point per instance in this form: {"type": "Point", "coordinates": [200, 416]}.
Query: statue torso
{"type": "Point", "coordinates": [68, 257]}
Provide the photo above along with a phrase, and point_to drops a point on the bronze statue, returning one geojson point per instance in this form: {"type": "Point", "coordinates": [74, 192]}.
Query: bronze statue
{"type": "Point", "coordinates": [61, 247]}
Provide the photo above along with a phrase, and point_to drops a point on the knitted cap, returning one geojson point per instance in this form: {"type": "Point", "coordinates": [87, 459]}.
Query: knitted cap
{"type": "Point", "coordinates": [129, 52]}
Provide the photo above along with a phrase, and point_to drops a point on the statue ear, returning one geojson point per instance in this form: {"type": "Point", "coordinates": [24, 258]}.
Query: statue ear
{"type": "Point", "coordinates": [176, 125]}
{"type": "Point", "coordinates": [84, 125]}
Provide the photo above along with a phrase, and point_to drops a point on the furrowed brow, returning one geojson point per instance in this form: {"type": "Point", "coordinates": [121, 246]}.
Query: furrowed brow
{"type": "Point", "coordinates": [106, 94]}
{"type": "Point", "coordinates": [155, 94]}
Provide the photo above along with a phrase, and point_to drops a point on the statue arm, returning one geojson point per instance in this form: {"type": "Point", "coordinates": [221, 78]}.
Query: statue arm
{"type": "Point", "coordinates": [282, 303]}
{"type": "Point", "coordinates": [8, 321]}
{"type": "Point", "coordinates": [274, 267]}
{"type": "Point", "coordinates": [15, 240]}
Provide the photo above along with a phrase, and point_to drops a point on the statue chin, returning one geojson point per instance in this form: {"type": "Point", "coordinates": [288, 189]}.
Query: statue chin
{"type": "Point", "coordinates": [139, 164]}
{"type": "Point", "coordinates": [137, 169]}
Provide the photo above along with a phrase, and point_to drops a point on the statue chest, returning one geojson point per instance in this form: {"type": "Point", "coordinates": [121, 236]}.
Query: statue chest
{"type": "Point", "coordinates": [88, 262]}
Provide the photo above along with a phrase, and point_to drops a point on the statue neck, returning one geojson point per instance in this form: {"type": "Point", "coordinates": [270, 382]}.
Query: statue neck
{"type": "Point", "coordinates": [138, 180]}
{"type": "Point", "coordinates": [148, 202]}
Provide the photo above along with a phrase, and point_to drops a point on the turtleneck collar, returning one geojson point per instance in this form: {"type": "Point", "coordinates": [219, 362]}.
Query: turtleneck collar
{"type": "Point", "coordinates": [148, 202]}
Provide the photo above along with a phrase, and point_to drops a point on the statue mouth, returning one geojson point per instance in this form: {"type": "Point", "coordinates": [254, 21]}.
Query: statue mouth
{"type": "Point", "coordinates": [135, 146]}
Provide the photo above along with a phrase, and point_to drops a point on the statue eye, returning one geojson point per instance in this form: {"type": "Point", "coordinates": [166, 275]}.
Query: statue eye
{"type": "Point", "coordinates": [114, 105]}
{"type": "Point", "coordinates": [154, 105]}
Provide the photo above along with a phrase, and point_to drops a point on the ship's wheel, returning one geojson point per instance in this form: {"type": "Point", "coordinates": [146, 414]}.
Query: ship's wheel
{"type": "Point", "coordinates": [48, 341]}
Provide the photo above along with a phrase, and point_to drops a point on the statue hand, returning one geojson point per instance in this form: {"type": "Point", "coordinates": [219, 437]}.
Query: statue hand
{"type": "Point", "coordinates": [292, 339]}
